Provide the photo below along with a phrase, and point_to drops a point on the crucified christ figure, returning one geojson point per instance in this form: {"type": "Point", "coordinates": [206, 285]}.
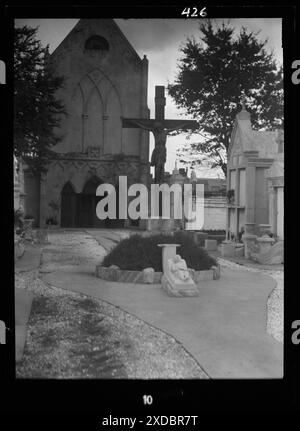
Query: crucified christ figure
{"type": "Point", "coordinates": [158, 157]}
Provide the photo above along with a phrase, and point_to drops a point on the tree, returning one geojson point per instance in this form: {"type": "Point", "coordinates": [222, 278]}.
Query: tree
{"type": "Point", "coordinates": [213, 74]}
{"type": "Point", "coordinates": [36, 109]}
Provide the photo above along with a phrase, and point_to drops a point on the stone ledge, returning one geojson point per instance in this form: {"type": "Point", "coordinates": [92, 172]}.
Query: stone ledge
{"type": "Point", "coordinates": [127, 276]}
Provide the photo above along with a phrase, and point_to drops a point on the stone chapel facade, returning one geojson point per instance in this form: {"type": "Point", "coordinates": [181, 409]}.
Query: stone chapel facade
{"type": "Point", "coordinates": [105, 80]}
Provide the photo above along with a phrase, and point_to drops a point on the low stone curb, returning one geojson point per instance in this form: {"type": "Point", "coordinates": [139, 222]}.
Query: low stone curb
{"type": "Point", "coordinates": [127, 276]}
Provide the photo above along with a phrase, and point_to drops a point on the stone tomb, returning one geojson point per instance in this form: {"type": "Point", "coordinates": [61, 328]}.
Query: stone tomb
{"type": "Point", "coordinates": [254, 182]}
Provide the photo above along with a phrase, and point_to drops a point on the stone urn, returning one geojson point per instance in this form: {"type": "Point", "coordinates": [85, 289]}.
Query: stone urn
{"type": "Point", "coordinates": [265, 243]}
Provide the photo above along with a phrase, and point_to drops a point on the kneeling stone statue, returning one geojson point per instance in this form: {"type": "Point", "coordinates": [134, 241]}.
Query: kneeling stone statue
{"type": "Point", "coordinates": [176, 280]}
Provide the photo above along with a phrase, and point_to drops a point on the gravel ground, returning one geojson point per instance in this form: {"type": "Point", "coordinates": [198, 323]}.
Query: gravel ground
{"type": "Point", "coordinates": [275, 300]}
{"type": "Point", "coordinates": [71, 335]}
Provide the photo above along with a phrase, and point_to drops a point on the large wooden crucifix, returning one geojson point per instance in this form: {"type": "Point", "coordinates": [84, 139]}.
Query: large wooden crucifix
{"type": "Point", "coordinates": [160, 127]}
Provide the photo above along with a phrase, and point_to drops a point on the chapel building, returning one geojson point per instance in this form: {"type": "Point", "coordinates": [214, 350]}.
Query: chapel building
{"type": "Point", "coordinates": [105, 81]}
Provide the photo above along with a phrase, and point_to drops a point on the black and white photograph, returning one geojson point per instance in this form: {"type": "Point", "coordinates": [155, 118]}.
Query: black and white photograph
{"type": "Point", "coordinates": [148, 175]}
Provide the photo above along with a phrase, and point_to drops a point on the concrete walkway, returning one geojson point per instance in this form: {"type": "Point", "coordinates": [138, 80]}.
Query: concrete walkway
{"type": "Point", "coordinates": [224, 328]}
{"type": "Point", "coordinates": [30, 259]}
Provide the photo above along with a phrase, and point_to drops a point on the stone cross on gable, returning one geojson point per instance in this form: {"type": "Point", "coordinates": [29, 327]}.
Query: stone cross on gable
{"type": "Point", "coordinates": [160, 127]}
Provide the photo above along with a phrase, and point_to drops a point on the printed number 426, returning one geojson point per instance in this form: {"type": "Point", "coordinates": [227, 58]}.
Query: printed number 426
{"type": "Point", "coordinates": [193, 12]}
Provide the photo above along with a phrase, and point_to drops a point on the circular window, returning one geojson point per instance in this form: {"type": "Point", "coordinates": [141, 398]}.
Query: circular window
{"type": "Point", "coordinates": [97, 43]}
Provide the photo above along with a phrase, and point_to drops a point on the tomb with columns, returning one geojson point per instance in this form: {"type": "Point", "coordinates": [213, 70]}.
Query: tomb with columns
{"type": "Point", "coordinates": [254, 188]}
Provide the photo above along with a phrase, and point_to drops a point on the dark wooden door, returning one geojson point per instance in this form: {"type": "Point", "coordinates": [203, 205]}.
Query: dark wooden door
{"type": "Point", "coordinates": [68, 208]}
{"type": "Point", "coordinates": [85, 210]}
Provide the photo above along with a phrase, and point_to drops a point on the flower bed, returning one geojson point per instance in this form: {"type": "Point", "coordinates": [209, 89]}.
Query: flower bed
{"type": "Point", "coordinates": [137, 253]}
{"type": "Point", "coordinates": [138, 259]}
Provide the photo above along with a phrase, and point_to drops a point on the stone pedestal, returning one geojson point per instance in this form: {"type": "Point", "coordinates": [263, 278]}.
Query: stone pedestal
{"type": "Point", "coordinates": [168, 252]}
{"type": "Point", "coordinates": [249, 241]}
{"type": "Point", "coordinates": [264, 229]}
{"type": "Point", "coordinates": [227, 249]}
{"type": "Point", "coordinates": [239, 249]}
{"type": "Point", "coordinates": [250, 228]}
{"type": "Point", "coordinates": [265, 243]}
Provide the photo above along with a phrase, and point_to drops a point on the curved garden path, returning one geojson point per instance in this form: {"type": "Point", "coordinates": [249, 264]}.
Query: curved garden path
{"type": "Point", "coordinates": [224, 328]}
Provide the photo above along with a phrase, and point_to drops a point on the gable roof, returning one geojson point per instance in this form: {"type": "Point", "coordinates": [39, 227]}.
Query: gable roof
{"type": "Point", "coordinates": [98, 22]}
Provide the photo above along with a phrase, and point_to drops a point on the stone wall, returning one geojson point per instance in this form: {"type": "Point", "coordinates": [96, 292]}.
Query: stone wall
{"type": "Point", "coordinates": [215, 213]}
{"type": "Point", "coordinates": [100, 88]}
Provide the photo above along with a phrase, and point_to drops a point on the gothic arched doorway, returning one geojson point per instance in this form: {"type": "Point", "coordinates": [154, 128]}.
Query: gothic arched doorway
{"type": "Point", "coordinates": [86, 207]}
{"type": "Point", "coordinates": [68, 206]}
{"type": "Point", "coordinates": [87, 202]}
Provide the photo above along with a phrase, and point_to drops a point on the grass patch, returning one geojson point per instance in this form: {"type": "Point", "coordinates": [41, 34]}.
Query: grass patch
{"type": "Point", "coordinates": [138, 253]}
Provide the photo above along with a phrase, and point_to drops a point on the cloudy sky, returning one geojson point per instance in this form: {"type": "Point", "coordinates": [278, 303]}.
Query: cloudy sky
{"type": "Point", "coordinates": [159, 40]}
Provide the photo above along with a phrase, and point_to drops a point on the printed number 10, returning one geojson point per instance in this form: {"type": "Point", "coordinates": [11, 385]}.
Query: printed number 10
{"type": "Point", "coordinates": [147, 399]}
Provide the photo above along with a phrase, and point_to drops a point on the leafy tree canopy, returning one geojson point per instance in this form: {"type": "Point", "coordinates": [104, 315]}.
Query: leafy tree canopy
{"type": "Point", "coordinates": [213, 74]}
{"type": "Point", "coordinates": [36, 109]}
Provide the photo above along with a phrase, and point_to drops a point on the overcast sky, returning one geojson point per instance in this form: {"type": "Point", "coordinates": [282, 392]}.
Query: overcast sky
{"type": "Point", "coordinates": [159, 40]}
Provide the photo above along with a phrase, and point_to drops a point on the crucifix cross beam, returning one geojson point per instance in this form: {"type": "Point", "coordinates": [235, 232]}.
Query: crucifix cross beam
{"type": "Point", "coordinates": [160, 103]}
{"type": "Point", "coordinates": [160, 127]}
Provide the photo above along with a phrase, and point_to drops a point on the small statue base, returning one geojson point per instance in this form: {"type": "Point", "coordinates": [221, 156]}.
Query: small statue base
{"type": "Point", "coordinates": [177, 289]}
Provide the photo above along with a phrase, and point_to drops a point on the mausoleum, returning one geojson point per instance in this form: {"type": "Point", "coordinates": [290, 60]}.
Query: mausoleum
{"type": "Point", "coordinates": [254, 180]}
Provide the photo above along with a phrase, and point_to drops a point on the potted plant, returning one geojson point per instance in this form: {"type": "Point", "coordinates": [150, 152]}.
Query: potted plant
{"type": "Point", "coordinates": [230, 196]}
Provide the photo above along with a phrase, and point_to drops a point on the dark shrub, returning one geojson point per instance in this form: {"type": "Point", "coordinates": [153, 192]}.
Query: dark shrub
{"type": "Point", "coordinates": [137, 252]}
